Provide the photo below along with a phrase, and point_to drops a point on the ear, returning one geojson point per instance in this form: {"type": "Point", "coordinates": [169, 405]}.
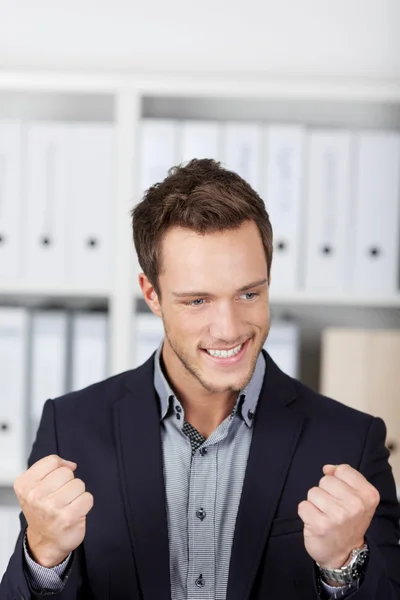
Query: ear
{"type": "Point", "coordinates": [149, 294]}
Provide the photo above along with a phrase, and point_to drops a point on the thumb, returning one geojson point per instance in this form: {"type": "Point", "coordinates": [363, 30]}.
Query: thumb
{"type": "Point", "coordinates": [329, 469]}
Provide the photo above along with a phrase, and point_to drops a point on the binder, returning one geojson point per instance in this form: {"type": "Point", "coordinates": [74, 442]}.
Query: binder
{"type": "Point", "coordinates": [242, 151]}
{"type": "Point", "coordinates": [13, 382]}
{"type": "Point", "coordinates": [158, 151]}
{"type": "Point", "coordinates": [199, 139]}
{"type": "Point", "coordinates": [328, 213]}
{"type": "Point", "coordinates": [10, 528]}
{"type": "Point", "coordinates": [5, 554]}
{"type": "Point", "coordinates": [284, 198]}
{"type": "Point", "coordinates": [10, 200]}
{"type": "Point", "coordinates": [360, 368]}
{"type": "Point", "coordinates": [92, 190]}
{"type": "Point", "coordinates": [47, 191]}
{"type": "Point", "coordinates": [89, 355]}
{"type": "Point", "coordinates": [283, 345]}
{"type": "Point", "coordinates": [147, 335]}
{"type": "Point", "coordinates": [48, 362]}
{"type": "Point", "coordinates": [376, 231]}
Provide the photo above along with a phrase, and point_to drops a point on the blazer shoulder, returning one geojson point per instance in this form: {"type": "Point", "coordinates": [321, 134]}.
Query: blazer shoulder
{"type": "Point", "coordinates": [102, 393]}
{"type": "Point", "coordinates": [324, 407]}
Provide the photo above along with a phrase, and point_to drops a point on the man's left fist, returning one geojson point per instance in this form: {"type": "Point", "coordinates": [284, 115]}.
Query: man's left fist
{"type": "Point", "coordinates": [337, 514]}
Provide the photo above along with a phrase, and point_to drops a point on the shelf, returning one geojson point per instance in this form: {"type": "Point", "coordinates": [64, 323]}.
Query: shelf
{"type": "Point", "coordinates": [7, 482]}
{"type": "Point", "coordinates": [22, 290]}
{"type": "Point", "coordinates": [332, 299]}
{"type": "Point", "coordinates": [206, 85]}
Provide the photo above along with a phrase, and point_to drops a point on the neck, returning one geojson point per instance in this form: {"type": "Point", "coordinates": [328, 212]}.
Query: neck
{"type": "Point", "coordinates": [204, 410]}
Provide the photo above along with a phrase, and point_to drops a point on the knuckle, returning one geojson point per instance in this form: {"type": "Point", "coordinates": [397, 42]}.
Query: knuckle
{"type": "Point", "coordinates": [374, 496]}
{"type": "Point", "coordinates": [312, 492]}
{"type": "Point", "coordinates": [53, 460]}
{"type": "Point", "coordinates": [80, 485]}
{"type": "Point", "coordinates": [342, 468]}
{"type": "Point", "coordinates": [32, 497]}
{"type": "Point", "coordinates": [48, 507]}
{"type": "Point", "coordinates": [89, 500]}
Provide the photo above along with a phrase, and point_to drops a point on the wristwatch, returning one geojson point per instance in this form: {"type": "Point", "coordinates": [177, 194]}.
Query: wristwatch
{"type": "Point", "coordinates": [352, 570]}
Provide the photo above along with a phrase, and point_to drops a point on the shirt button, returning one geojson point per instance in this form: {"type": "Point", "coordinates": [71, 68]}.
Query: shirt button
{"type": "Point", "coordinates": [178, 408]}
{"type": "Point", "coordinates": [201, 514]}
{"type": "Point", "coordinates": [250, 414]}
{"type": "Point", "coordinates": [200, 583]}
{"type": "Point", "coordinates": [178, 416]}
{"type": "Point", "coordinates": [203, 451]}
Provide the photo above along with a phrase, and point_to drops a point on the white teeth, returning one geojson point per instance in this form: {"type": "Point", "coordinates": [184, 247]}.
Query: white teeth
{"type": "Point", "coordinates": [225, 353]}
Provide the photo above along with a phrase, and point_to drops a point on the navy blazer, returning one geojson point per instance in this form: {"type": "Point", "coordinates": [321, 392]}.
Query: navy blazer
{"type": "Point", "coordinates": [125, 552]}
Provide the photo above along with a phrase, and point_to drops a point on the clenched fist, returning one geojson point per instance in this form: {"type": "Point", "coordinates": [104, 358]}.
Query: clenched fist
{"type": "Point", "coordinates": [55, 505]}
{"type": "Point", "coordinates": [337, 514]}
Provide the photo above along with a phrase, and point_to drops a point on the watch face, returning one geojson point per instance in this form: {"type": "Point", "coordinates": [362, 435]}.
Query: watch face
{"type": "Point", "coordinates": [362, 556]}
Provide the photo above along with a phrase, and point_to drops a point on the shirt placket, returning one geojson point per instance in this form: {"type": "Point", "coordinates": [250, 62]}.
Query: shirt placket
{"type": "Point", "coordinates": [201, 524]}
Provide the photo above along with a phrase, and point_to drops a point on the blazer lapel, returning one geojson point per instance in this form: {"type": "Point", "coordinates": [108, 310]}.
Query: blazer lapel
{"type": "Point", "coordinates": [139, 451]}
{"type": "Point", "coordinates": [275, 436]}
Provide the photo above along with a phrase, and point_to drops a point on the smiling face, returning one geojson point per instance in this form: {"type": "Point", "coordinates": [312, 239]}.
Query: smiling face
{"type": "Point", "coordinates": [214, 305]}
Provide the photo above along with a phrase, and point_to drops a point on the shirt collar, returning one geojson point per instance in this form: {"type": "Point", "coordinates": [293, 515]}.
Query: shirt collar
{"type": "Point", "coordinates": [248, 396]}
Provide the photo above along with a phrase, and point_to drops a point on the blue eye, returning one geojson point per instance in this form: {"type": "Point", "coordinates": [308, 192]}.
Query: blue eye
{"type": "Point", "coordinates": [197, 302]}
{"type": "Point", "coordinates": [251, 294]}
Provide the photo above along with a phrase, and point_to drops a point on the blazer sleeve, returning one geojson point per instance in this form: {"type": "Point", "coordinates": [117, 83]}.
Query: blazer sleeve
{"type": "Point", "coordinates": [15, 582]}
{"type": "Point", "coordinates": [382, 576]}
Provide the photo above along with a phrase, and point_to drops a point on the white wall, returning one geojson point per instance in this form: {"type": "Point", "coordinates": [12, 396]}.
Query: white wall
{"type": "Point", "coordinates": [305, 37]}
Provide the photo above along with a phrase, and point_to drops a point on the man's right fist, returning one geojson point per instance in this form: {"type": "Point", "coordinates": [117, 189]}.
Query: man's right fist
{"type": "Point", "coordinates": [55, 505]}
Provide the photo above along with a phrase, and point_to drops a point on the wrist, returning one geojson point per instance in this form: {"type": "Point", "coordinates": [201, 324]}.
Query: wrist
{"type": "Point", "coordinates": [341, 561]}
{"type": "Point", "coordinates": [353, 569]}
{"type": "Point", "coordinates": [43, 554]}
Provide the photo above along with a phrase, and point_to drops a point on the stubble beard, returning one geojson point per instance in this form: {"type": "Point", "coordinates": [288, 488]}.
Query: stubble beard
{"type": "Point", "coordinates": [196, 372]}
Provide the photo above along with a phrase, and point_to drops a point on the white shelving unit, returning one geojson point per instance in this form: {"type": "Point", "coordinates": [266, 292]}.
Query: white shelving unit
{"type": "Point", "coordinates": [124, 99]}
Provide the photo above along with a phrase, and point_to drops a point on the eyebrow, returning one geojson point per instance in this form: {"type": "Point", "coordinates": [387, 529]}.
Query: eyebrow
{"type": "Point", "coordinates": [248, 286]}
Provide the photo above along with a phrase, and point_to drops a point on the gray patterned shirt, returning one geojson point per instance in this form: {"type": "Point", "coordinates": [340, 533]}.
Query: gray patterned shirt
{"type": "Point", "coordinates": [203, 480]}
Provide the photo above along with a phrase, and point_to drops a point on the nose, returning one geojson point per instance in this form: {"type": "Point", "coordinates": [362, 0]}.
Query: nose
{"type": "Point", "coordinates": [225, 325]}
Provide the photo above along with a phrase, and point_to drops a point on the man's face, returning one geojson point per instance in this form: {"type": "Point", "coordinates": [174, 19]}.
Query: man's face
{"type": "Point", "coordinates": [214, 304]}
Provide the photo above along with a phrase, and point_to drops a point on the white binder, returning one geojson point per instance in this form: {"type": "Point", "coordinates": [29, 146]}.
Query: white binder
{"type": "Point", "coordinates": [147, 335]}
{"type": "Point", "coordinates": [13, 382]}
{"type": "Point", "coordinates": [10, 200]}
{"type": "Point", "coordinates": [242, 151]}
{"type": "Point", "coordinates": [91, 163]}
{"type": "Point", "coordinates": [375, 235]}
{"type": "Point", "coordinates": [328, 212]}
{"type": "Point", "coordinates": [9, 528]}
{"type": "Point", "coordinates": [284, 201]}
{"type": "Point", "coordinates": [158, 151]}
{"type": "Point", "coordinates": [199, 139]}
{"type": "Point", "coordinates": [283, 345]}
{"type": "Point", "coordinates": [89, 357]}
{"type": "Point", "coordinates": [47, 184]}
{"type": "Point", "coordinates": [49, 361]}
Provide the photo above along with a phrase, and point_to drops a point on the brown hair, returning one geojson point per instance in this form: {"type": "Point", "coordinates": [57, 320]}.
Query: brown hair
{"type": "Point", "coordinates": [202, 196]}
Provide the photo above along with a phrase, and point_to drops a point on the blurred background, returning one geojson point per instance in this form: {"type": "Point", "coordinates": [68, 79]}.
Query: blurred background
{"type": "Point", "coordinates": [99, 99]}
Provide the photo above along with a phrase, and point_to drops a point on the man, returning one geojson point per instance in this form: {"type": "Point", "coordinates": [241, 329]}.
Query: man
{"type": "Point", "coordinates": [206, 472]}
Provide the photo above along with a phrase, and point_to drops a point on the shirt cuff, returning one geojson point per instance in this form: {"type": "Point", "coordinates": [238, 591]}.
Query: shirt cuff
{"type": "Point", "coordinates": [43, 579]}
{"type": "Point", "coordinates": [331, 592]}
